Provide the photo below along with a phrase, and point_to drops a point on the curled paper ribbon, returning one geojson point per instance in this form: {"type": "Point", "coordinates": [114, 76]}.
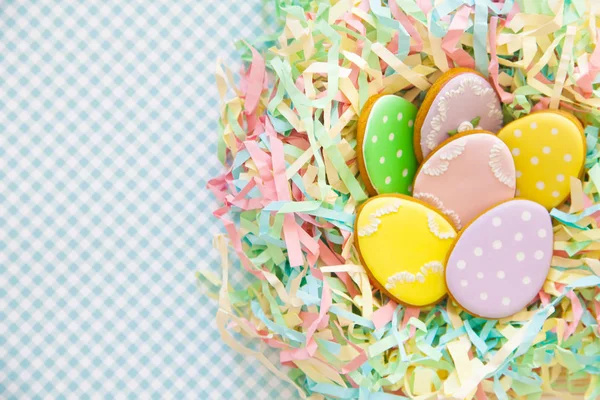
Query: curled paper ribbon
{"type": "Point", "coordinates": [290, 189]}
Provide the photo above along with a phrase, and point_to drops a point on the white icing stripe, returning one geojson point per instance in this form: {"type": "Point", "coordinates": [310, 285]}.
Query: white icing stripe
{"type": "Point", "coordinates": [370, 228]}
{"type": "Point", "coordinates": [436, 125]}
{"type": "Point", "coordinates": [437, 203]}
{"type": "Point", "coordinates": [495, 111]}
{"type": "Point", "coordinates": [435, 169]}
{"type": "Point", "coordinates": [453, 150]}
{"type": "Point", "coordinates": [496, 165]}
{"type": "Point", "coordinates": [435, 228]}
{"type": "Point", "coordinates": [432, 267]}
{"type": "Point", "coordinates": [374, 220]}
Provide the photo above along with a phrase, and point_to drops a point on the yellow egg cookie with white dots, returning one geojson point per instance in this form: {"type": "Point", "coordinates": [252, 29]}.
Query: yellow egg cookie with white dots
{"type": "Point", "coordinates": [403, 244]}
{"type": "Point", "coordinates": [548, 148]}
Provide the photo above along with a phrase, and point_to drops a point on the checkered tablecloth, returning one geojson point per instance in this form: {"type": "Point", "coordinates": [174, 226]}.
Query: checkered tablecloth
{"type": "Point", "coordinates": [108, 116]}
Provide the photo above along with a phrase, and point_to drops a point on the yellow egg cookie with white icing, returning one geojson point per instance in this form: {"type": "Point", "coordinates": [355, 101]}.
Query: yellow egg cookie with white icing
{"type": "Point", "coordinates": [548, 148]}
{"type": "Point", "coordinates": [403, 244]}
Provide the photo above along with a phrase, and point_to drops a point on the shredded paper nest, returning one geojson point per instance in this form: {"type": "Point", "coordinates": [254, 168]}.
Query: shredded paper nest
{"type": "Point", "coordinates": [290, 188]}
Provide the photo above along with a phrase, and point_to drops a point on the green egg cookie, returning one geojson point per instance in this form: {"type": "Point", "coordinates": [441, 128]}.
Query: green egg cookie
{"type": "Point", "coordinates": [386, 159]}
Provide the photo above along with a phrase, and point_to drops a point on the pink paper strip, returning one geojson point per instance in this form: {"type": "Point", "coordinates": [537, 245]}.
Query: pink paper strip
{"type": "Point", "coordinates": [494, 67]}
{"type": "Point", "coordinates": [544, 297]}
{"type": "Point", "coordinates": [451, 40]}
{"type": "Point", "coordinates": [292, 241]}
{"type": "Point", "coordinates": [425, 6]}
{"type": "Point", "coordinates": [410, 312]}
{"type": "Point", "coordinates": [384, 315]}
{"type": "Point", "coordinates": [577, 314]}
{"type": "Point", "coordinates": [480, 394]}
{"type": "Point", "coordinates": [408, 25]}
{"type": "Point", "coordinates": [277, 158]}
{"type": "Point", "coordinates": [325, 305]}
{"type": "Point", "coordinates": [236, 242]}
{"type": "Point", "coordinates": [357, 361]}
{"type": "Point", "coordinates": [597, 309]}
{"type": "Point", "coordinates": [303, 353]}
{"type": "Point", "coordinates": [585, 81]}
{"type": "Point", "coordinates": [543, 104]}
{"type": "Point", "coordinates": [240, 200]}
{"type": "Point", "coordinates": [263, 164]}
{"type": "Point", "coordinates": [309, 317]}
{"type": "Point", "coordinates": [330, 258]}
{"type": "Point", "coordinates": [308, 242]}
{"type": "Point", "coordinates": [513, 11]}
{"type": "Point", "coordinates": [255, 82]}
{"type": "Point", "coordinates": [218, 187]}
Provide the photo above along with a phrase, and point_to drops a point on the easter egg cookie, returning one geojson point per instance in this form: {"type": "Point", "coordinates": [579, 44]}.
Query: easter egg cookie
{"type": "Point", "coordinates": [500, 261]}
{"type": "Point", "coordinates": [386, 158]}
{"type": "Point", "coordinates": [460, 100]}
{"type": "Point", "coordinates": [403, 244]}
{"type": "Point", "coordinates": [467, 174]}
{"type": "Point", "coordinates": [548, 148]}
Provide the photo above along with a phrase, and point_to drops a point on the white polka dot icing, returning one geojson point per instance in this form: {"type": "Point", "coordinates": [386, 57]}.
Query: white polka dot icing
{"type": "Point", "coordinates": [518, 236]}
{"type": "Point", "coordinates": [477, 163]}
{"type": "Point", "coordinates": [511, 274]}
{"type": "Point", "coordinates": [387, 161]}
{"type": "Point", "coordinates": [540, 185]}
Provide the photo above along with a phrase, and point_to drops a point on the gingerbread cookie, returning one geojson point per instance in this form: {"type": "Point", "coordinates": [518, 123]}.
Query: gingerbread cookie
{"type": "Point", "coordinates": [466, 175]}
{"type": "Point", "coordinates": [403, 245]}
{"type": "Point", "coordinates": [386, 158]}
{"type": "Point", "coordinates": [500, 261]}
{"type": "Point", "coordinates": [460, 100]}
{"type": "Point", "coordinates": [548, 148]}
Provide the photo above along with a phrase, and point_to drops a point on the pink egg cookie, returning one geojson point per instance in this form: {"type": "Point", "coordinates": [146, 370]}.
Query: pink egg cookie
{"type": "Point", "coordinates": [468, 174]}
{"type": "Point", "coordinates": [500, 261]}
{"type": "Point", "coordinates": [460, 100]}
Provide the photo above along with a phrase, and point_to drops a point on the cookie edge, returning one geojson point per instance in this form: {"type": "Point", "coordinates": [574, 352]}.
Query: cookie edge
{"type": "Point", "coordinates": [360, 135]}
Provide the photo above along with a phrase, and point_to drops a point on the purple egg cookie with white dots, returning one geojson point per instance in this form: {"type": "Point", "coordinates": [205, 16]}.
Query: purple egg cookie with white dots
{"type": "Point", "coordinates": [500, 261]}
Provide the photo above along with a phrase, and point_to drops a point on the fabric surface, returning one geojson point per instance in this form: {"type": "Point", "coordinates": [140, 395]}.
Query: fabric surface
{"type": "Point", "coordinates": [108, 134]}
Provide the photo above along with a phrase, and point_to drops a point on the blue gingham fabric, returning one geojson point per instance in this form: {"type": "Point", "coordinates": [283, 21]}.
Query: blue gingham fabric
{"type": "Point", "coordinates": [108, 132]}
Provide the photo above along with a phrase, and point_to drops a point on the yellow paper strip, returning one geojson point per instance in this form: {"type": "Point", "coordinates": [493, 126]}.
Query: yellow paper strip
{"type": "Point", "coordinates": [565, 61]}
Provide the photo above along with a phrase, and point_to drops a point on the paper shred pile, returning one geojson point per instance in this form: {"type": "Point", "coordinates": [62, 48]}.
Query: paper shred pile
{"type": "Point", "coordinates": [291, 187]}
